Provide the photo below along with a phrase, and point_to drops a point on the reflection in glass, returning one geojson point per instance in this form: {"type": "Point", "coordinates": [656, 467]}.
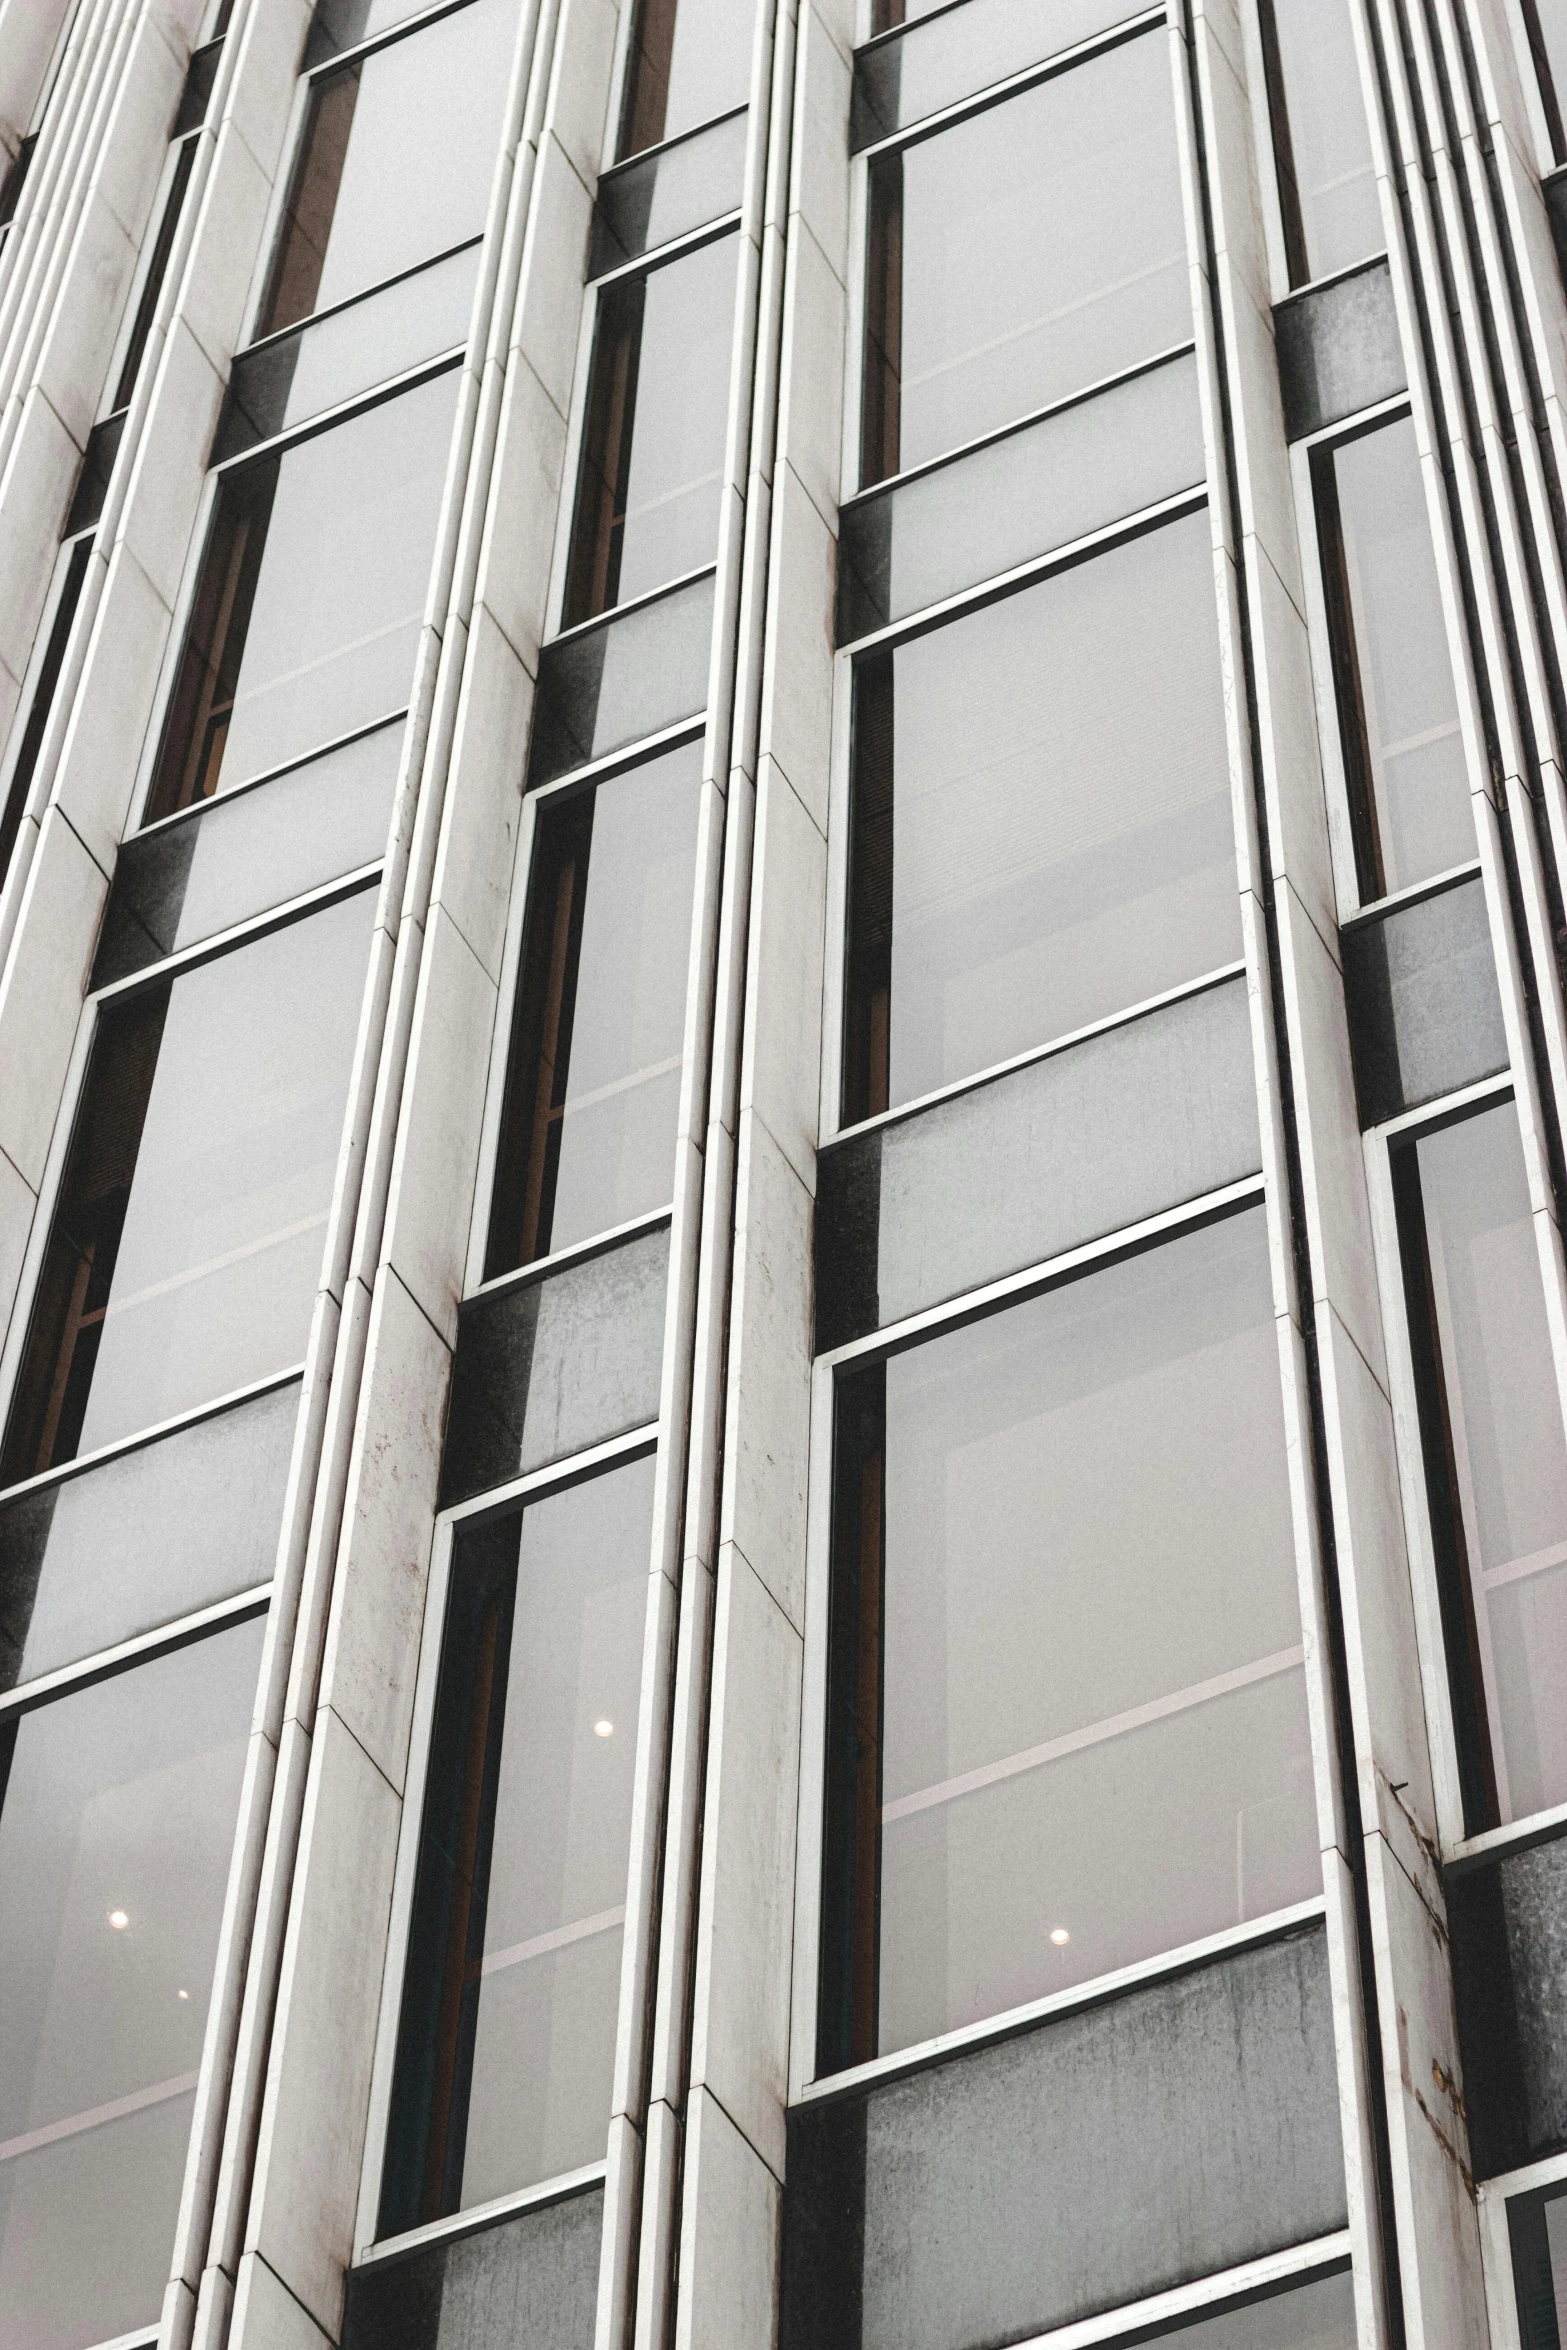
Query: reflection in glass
{"type": "Point", "coordinates": [310, 598]}
{"type": "Point", "coordinates": [690, 60]}
{"type": "Point", "coordinates": [973, 321]}
{"type": "Point", "coordinates": [118, 1816]}
{"type": "Point", "coordinates": [507, 2033]}
{"type": "Point", "coordinates": [1321, 145]}
{"type": "Point", "coordinates": [1496, 1458]}
{"type": "Point", "coordinates": [593, 1080]}
{"type": "Point", "coordinates": [367, 199]}
{"type": "Point", "coordinates": [1041, 818]}
{"type": "Point", "coordinates": [648, 493]}
{"type": "Point", "coordinates": [629, 677]}
{"type": "Point", "coordinates": [1398, 710]}
{"type": "Point", "coordinates": [1065, 1621]}
{"type": "Point", "coordinates": [1537, 2225]}
{"type": "Point", "coordinates": [186, 1249]}
{"type": "Point", "coordinates": [966, 49]}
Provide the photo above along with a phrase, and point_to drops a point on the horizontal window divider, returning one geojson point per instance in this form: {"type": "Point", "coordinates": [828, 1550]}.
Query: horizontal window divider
{"type": "Point", "coordinates": [1541, 1827]}
{"type": "Point", "coordinates": [578, 1253]}
{"type": "Point", "coordinates": [114, 2109]}
{"type": "Point", "coordinates": [1549, 2171]}
{"type": "Point", "coordinates": [392, 2249]}
{"type": "Point", "coordinates": [1131, 28]}
{"type": "Point", "coordinates": [585, 628]}
{"type": "Point", "coordinates": [239, 791]}
{"type": "Point", "coordinates": [1032, 1280]}
{"type": "Point", "coordinates": [555, 1476]}
{"type": "Point", "coordinates": [141, 1649]}
{"type": "Point", "coordinates": [1446, 1107]}
{"type": "Point", "coordinates": [667, 146]}
{"type": "Point", "coordinates": [384, 40]}
{"type": "Point", "coordinates": [1021, 424]}
{"type": "Point", "coordinates": [85, 1462]}
{"type": "Point", "coordinates": [1353, 428]}
{"type": "Point", "coordinates": [711, 232]}
{"type": "Point", "coordinates": [359, 404]}
{"type": "Point", "coordinates": [1415, 894]}
{"type": "Point", "coordinates": [619, 762]}
{"type": "Point", "coordinates": [1099, 1991]}
{"type": "Point", "coordinates": [1188, 989]}
{"type": "Point", "coordinates": [302, 326]}
{"type": "Point", "coordinates": [1329, 2254]}
{"type": "Point", "coordinates": [223, 942]}
{"type": "Point", "coordinates": [1334, 277]}
{"type": "Point", "coordinates": [1023, 575]}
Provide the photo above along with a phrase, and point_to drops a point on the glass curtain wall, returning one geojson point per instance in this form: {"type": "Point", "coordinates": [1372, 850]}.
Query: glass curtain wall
{"type": "Point", "coordinates": [1321, 143]}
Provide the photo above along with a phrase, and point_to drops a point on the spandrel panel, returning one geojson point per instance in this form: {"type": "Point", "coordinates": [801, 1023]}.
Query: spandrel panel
{"type": "Point", "coordinates": [1339, 350]}
{"type": "Point", "coordinates": [115, 1838]}
{"type": "Point", "coordinates": [1425, 1015]}
{"type": "Point", "coordinates": [1040, 488]}
{"type": "Point", "coordinates": [1041, 819]}
{"type": "Point", "coordinates": [1080, 1144]}
{"type": "Point", "coordinates": [557, 1365]}
{"type": "Point", "coordinates": [1508, 1921]}
{"type": "Point", "coordinates": [1321, 139]}
{"type": "Point", "coordinates": [681, 188]}
{"type": "Point", "coordinates": [986, 2199]}
{"type": "Point", "coordinates": [966, 50]}
{"type": "Point", "coordinates": [240, 855]}
{"type": "Point", "coordinates": [144, 1539]}
{"type": "Point", "coordinates": [690, 62]}
{"type": "Point", "coordinates": [533, 2278]}
{"type": "Point", "coordinates": [631, 676]}
{"type": "Point", "coordinates": [971, 325]}
{"type": "Point", "coordinates": [1537, 2228]}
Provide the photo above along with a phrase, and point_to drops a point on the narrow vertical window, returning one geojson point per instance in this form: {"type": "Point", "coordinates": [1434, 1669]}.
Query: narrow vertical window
{"type": "Point", "coordinates": [1537, 2227]}
{"type": "Point", "coordinates": [157, 271]}
{"type": "Point", "coordinates": [1321, 144]}
{"type": "Point", "coordinates": [690, 61]}
{"type": "Point", "coordinates": [1546, 21]}
{"type": "Point", "coordinates": [42, 702]}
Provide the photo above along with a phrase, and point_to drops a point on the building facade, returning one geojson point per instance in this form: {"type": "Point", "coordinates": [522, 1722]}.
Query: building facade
{"type": "Point", "coordinates": [783, 889]}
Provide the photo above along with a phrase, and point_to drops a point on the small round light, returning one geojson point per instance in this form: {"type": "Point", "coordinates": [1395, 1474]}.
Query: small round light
{"type": "Point", "coordinates": [118, 1918]}
{"type": "Point", "coordinates": [603, 1729]}
{"type": "Point", "coordinates": [182, 1994]}
{"type": "Point", "coordinates": [1059, 1935]}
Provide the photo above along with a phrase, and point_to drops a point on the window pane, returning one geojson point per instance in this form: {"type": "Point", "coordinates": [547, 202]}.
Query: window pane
{"type": "Point", "coordinates": [1538, 2225]}
{"type": "Point", "coordinates": [1316, 2316]}
{"type": "Point", "coordinates": [312, 590]}
{"type": "Point", "coordinates": [1041, 818]}
{"type": "Point", "coordinates": [368, 199]}
{"type": "Point", "coordinates": [593, 1081]}
{"type": "Point", "coordinates": [1496, 1459]}
{"type": "Point", "coordinates": [508, 2025]}
{"type": "Point", "coordinates": [1507, 1923]}
{"type": "Point", "coordinates": [1058, 1798]}
{"type": "Point", "coordinates": [1425, 1016]}
{"type": "Point", "coordinates": [114, 1852]}
{"type": "Point", "coordinates": [630, 677]}
{"type": "Point", "coordinates": [1547, 24]}
{"type": "Point", "coordinates": [965, 50]}
{"type": "Point", "coordinates": [682, 188]}
{"type": "Point", "coordinates": [186, 1249]}
{"type": "Point", "coordinates": [690, 60]}
{"type": "Point", "coordinates": [1023, 254]}
{"type": "Point", "coordinates": [648, 494]}
{"type": "Point", "coordinates": [1398, 711]}
{"type": "Point", "coordinates": [1322, 146]}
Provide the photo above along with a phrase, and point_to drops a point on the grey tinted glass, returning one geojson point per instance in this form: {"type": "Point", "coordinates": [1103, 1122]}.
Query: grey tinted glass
{"type": "Point", "coordinates": [547, 1369]}
{"type": "Point", "coordinates": [987, 2199]}
{"type": "Point", "coordinates": [143, 1539]}
{"type": "Point", "coordinates": [690, 61]}
{"type": "Point", "coordinates": [1339, 349]}
{"type": "Point", "coordinates": [1537, 2225]}
{"type": "Point", "coordinates": [114, 1852]}
{"type": "Point", "coordinates": [238, 856]}
{"type": "Point", "coordinates": [1508, 1923]}
{"type": "Point", "coordinates": [902, 549]}
{"type": "Point", "coordinates": [1424, 1013]}
{"type": "Point", "coordinates": [1042, 823]}
{"type": "Point", "coordinates": [903, 80]}
{"type": "Point", "coordinates": [987, 324]}
{"type": "Point", "coordinates": [533, 2279]}
{"type": "Point", "coordinates": [1321, 140]}
{"type": "Point", "coordinates": [628, 677]}
{"type": "Point", "coordinates": [1315, 2316]}
{"type": "Point", "coordinates": [1550, 17]}
{"type": "Point", "coordinates": [342, 24]}
{"type": "Point", "coordinates": [683, 187]}
{"type": "Point", "coordinates": [1080, 1144]}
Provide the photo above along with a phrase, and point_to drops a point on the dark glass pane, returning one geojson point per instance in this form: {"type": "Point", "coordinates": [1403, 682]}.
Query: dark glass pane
{"type": "Point", "coordinates": [975, 318]}
{"type": "Point", "coordinates": [507, 2036]}
{"type": "Point", "coordinates": [1424, 1014]}
{"type": "Point", "coordinates": [1327, 186]}
{"type": "Point", "coordinates": [312, 590]}
{"type": "Point", "coordinates": [15, 179]}
{"type": "Point", "coordinates": [311, 369]}
{"type": "Point", "coordinates": [1042, 832]}
{"type": "Point", "coordinates": [114, 1853]}
{"type": "Point", "coordinates": [627, 678]}
{"type": "Point", "coordinates": [1053, 1804]}
{"type": "Point", "coordinates": [965, 50]}
{"type": "Point", "coordinates": [92, 483]}
{"type": "Point", "coordinates": [902, 549]}
{"type": "Point", "coordinates": [185, 1253]}
{"type": "Point", "coordinates": [1339, 349]}
{"type": "Point", "coordinates": [395, 161]}
{"type": "Point", "coordinates": [1065, 1150]}
{"type": "Point", "coordinates": [239, 855]}
{"type": "Point", "coordinates": [1117, 2152]}
{"type": "Point", "coordinates": [1398, 710]}
{"type": "Point", "coordinates": [690, 60]}
{"type": "Point", "coordinates": [647, 204]}
{"type": "Point", "coordinates": [42, 703]}
{"type": "Point", "coordinates": [1496, 1457]}
{"type": "Point", "coordinates": [1538, 2228]}
{"type": "Point", "coordinates": [342, 24]}
{"type": "Point", "coordinates": [533, 2278]}
{"type": "Point", "coordinates": [1507, 1919]}
{"type": "Point", "coordinates": [144, 1539]}
{"type": "Point", "coordinates": [649, 491]}
{"type": "Point", "coordinates": [593, 1078]}
{"type": "Point", "coordinates": [547, 1369]}
{"type": "Point", "coordinates": [200, 76]}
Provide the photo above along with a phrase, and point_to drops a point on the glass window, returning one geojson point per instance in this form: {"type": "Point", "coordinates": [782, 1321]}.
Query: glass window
{"type": "Point", "coordinates": [1318, 2315]}
{"type": "Point", "coordinates": [369, 197]}
{"type": "Point", "coordinates": [649, 203]}
{"type": "Point", "coordinates": [1021, 255]}
{"type": "Point", "coordinates": [1398, 710]}
{"type": "Point", "coordinates": [1322, 147]}
{"type": "Point", "coordinates": [312, 590]}
{"type": "Point", "coordinates": [1538, 2226]}
{"type": "Point", "coordinates": [690, 60]}
{"type": "Point", "coordinates": [507, 2035]}
{"type": "Point", "coordinates": [42, 703]}
{"type": "Point", "coordinates": [636, 673]}
{"type": "Point", "coordinates": [650, 486]}
{"type": "Point", "coordinates": [1547, 23]}
{"type": "Point", "coordinates": [119, 1809]}
{"type": "Point", "coordinates": [1496, 1459]}
{"type": "Point", "coordinates": [593, 1080]}
{"type": "Point", "coordinates": [1041, 818]}
{"type": "Point", "coordinates": [967, 49]}
{"type": "Point", "coordinates": [1067, 1715]}
{"type": "Point", "coordinates": [185, 1254]}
